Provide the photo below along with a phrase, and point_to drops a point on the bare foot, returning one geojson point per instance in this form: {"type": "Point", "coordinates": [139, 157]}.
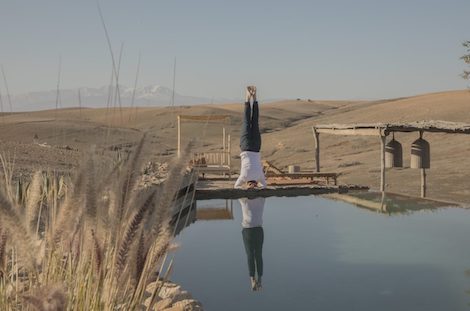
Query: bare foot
{"type": "Point", "coordinates": [253, 284]}
{"type": "Point", "coordinates": [248, 94]}
{"type": "Point", "coordinates": [259, 286]}
{"type": "Point", "coordinates": [253, 92]}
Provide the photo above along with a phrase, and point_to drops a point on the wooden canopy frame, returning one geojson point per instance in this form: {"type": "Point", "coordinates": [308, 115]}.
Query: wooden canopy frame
{"type": "Point", "coordinates": [202, 119]}
{"type": "Point", "coordinates": [382, 130]}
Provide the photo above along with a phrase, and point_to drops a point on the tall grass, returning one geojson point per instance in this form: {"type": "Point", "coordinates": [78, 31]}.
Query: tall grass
{"type": "Point", "coordinates": [93, 241]}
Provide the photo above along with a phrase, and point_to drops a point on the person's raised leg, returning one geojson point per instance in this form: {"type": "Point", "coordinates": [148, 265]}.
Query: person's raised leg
{"type": "Point", "coordinates": [245, 135]}
{"type": "Point", "coordinates": [255, 132]}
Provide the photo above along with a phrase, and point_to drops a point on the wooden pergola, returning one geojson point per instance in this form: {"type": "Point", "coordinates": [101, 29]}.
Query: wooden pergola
{"type": "Point", "coordinates": [382, 130]}
{"type": "Point", "coordinates": [224, 119]}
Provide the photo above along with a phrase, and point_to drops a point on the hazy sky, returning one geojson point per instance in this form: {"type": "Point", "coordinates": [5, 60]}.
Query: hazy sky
{"type": "Point", "coordinates": [310, 49]}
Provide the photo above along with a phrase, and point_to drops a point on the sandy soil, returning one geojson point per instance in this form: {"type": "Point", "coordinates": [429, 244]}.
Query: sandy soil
{"type": "Point", "coordinates": [65, 135]}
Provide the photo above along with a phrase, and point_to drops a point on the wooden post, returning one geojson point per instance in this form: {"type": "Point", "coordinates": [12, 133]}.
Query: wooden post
{"type": "Point", "coordinates": [229, 148]}
{"type": "Point", "coordinates": [383, 139]}
{"type": "Point", "coordinates": [423, 182]}
{"type": "Point", "coordinates": [316, 136]}
{"type": "Point", "coordinates": [179, 137]}
{"type": "Point", "coordinates": [223, 146]}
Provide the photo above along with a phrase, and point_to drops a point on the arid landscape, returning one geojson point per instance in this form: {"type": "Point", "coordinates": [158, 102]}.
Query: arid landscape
{"type": "Point", "coordinates": [64, 135]}
{"type": "Point", "coordinates": [234, 155]}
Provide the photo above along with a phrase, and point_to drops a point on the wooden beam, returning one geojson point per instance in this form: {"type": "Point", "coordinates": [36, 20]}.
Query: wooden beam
{"type": "Point", "coordinates": [435, 126]}
{"type": "Point", "coordinates": [349, 132]}
{"type": "Point", "coordinates": [408, 129]}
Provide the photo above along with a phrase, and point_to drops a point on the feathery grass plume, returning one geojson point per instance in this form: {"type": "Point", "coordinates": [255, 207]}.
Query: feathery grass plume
{"type": "Point", "coordinates": [140, 257]}
{"type": "Point", "coordinates": [11, 220]}
{"type": "Point", "coordinates": [80, 201]}
{"type": "Point", "coordinates": [161, 244]}
{"type": "Point", "coordinates": [131, 175]}
{"type": "Point", "coordinates": [8, 166]}
{"type": "Point", "coordinates": [162, 214]}
{"type": "Point", "coordinates": [72, 239]}
{"type": "Point", "coordinates": [97, 252]}
{"type": "Point", "coordinates": [90, 189]}
{"type": "Point", "coordinates": [62, 187]}
{"type": "Point", "coordinates": [131, 231]}
{"type": "Point", "coordinates": [127, 253]}
{"type": "Point", "coordinates": [33, 200]}
{"type": "Point", "coordinates": [157, 251]}
{"type": "Point", "coordinates": [67, 211]}
{"type": "Point", "coordinates": [111, 201]}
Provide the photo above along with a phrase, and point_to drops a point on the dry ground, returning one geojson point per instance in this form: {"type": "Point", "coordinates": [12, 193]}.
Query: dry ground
{"type": "Point", "coordinates": [287, 138]}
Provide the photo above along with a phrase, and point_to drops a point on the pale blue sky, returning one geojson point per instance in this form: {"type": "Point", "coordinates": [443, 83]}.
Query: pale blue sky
{"type": "Point", "coordinates": [311, 49]}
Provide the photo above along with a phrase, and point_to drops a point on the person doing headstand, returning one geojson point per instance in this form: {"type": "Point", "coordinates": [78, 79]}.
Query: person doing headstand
{"type": "Point", "coordinates": [251, 171]}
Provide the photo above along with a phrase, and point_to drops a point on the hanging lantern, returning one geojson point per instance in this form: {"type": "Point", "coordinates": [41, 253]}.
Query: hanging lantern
{"type": "Point", "coordinates": [393, 154]}
{"type": "Point", "coordinates": [420, 154]}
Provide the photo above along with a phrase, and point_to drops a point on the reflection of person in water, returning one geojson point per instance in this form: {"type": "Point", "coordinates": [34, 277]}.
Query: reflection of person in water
{"type": "Point", "coordinates": [253, 238]}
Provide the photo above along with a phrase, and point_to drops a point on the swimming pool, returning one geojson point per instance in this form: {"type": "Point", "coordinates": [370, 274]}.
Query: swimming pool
{"type": "Point", "coordinates": [327, 255]}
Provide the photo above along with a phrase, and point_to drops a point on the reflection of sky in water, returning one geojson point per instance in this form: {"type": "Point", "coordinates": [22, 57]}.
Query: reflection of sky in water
{"type": "Point", "coordinates": [331, 256]}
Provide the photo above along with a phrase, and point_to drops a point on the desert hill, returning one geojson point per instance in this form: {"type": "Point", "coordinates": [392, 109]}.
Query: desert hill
{"type": "Point", "coordinates": [65, 134]}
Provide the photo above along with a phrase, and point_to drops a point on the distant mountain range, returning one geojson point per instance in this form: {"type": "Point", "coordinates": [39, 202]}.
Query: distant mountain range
{"type": "Point", "coordinates": [152, 95]}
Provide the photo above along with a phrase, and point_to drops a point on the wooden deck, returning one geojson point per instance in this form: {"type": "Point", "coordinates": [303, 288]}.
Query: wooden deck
{"type": "Point", "coordinates": [214, 169]}
{"type": "Point", "coordinates": [211, 189]}
{"type": "Point", "coordinates": [307, 175]}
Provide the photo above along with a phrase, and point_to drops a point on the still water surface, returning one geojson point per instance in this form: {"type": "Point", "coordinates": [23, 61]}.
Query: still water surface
{"type": "Point", "coordinates": [328, 255]}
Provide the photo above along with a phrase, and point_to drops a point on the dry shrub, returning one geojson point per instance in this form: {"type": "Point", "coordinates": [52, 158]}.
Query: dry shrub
{"type": "Point", "coordinates": [99, 235]}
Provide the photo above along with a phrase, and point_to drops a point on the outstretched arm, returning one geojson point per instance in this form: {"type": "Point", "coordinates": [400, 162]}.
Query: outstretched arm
{"type": "Point", "coordinates": [240, 181]}
{"type": "Point", "coordinates": [262, 181]}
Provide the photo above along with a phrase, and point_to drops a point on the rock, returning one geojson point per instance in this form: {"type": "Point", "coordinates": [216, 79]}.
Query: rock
{"type": "Point", "coordinates": [175, 308]}
{"type": "Point", "coordinates": [169, 291]}
{"type": "Point", "coordinates": [183, 295]}
{"type": "Point", "coordinates": [163, 304]}
{"type": "Point", "coordinates": [154, 173]}
{"type": "Point", "coordinates": [171, 297]}
{"type": "Point", "coordinates": [151, 287]}
{"type": "Point", "coordinates": [186, 305]}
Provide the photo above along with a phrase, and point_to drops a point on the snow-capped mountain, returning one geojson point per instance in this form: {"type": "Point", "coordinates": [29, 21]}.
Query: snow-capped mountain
{"type": "Point", "coordinates": [152, 95]}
